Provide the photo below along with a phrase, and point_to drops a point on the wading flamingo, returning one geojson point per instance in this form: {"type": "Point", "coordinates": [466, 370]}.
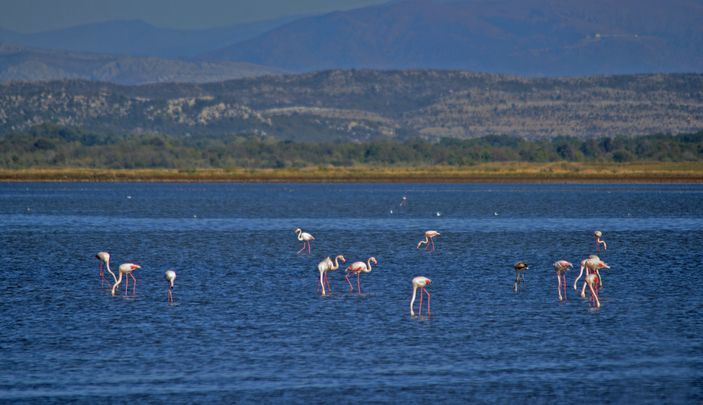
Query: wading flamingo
{"type": "Point", "coordinates": [126, 269]}
{"type": "Point", "coordinates": [599, 241]}
{"type": "Point", "coordinates": [358, 268]}
{"type": "Point", "coordinates": [429, 240]}
{"type": "Point", "coordinates": [561, 267]}
{"type": "Point", "coordinates": [592, 265]}
{"type": "Point", "coordinates": [305, 238]}
{"type": "Point", "coordinates": [593, 280]}
{"type": "Point", "coordinates": [520, 268]}
{"type": "Point", "coordinates": [170, 276]}
{"type": "Point", "coordinates": [327, 265]}
{"type": "Point", "coordinates": [420, 282]}
{"type": "Point", "coordinates": [104, 258]}
{"type": "Point", "coordinates": [404, 201]}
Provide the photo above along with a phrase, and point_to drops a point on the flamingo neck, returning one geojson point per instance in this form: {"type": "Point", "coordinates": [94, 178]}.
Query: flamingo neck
{"type": "Point", "coordinates": [412, 301]}
{"type": "Point", "coordinates": [335, 266]}
{"type": "Point", "coordinates": [107, 266]}
{"type": "Point", "coordinates": [117, 282]}
{"type": "Point", "coordinates": [300, 235]}
{"type": "Point", "coordinates": [368, 266]}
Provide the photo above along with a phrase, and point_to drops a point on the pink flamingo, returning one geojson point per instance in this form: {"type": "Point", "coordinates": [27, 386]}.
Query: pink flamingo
{"type": "Point", "coordinates": [429, 240]}
{"type": "Point", "coordinates": [599, 241]}
{"type": "Point", "coordinates": [305, 238]}
{"type": "Point", "coordinates": [593, 280]}
{"type": "Point", "coordinates": [561, 267]}
{"type": "Point", "coordinates": [104, 258]}
{"type": "Point", "coordinates": [358, 268]}
{"type": "Point", "coordinates": [127, 269]}
{"type": "Point", "coordinates": [592, 265]}
{"type": "Point", "coordinates": [170, 276]}
{"type": "Point", "coordinates": [420, 282]}
{"type": "Point", "coordinates": [327, 265]}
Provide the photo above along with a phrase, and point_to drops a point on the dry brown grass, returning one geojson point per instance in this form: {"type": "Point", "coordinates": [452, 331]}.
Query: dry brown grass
{"type": "Point", "coordinates": [487, 172]}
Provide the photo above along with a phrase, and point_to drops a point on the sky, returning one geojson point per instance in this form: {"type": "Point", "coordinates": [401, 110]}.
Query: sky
{"type": "Point", "coordinates": [40, 15]}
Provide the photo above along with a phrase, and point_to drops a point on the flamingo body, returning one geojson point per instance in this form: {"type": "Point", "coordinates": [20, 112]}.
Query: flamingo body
{"type": "Point", "coordinates": [420, 282]}
{"type": "Point", "coordinates": [429, 240]}
{"type": "Point", "coordinates": [328, 265]}
{"type": "Point", "coordinates": [561, 266]}
{"type": "Point", "coordinates": [170, 277]}
{"type": "Point", "coordinates": [358, 268]}
{"type": "Point", "coordinates": [599, 241]}
{"type": "Point", "coordinates": [104, 258]}
{"type": "Point", "coordinates": [305, 238]}
{"type": "Point", "coordinates": [126, 269]}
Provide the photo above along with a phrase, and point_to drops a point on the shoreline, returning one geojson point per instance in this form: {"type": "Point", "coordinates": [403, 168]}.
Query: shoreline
{"type": "Point", "coordinates": [501, 172]}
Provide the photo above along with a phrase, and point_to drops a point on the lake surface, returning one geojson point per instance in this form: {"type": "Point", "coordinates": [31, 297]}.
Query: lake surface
{"type": "Point", "coordinates": [248, 323]}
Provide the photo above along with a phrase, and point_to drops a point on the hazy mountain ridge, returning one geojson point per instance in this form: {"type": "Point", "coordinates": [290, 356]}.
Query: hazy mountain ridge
{"type": "Point", "coordinates": [21, 63]}
{"type": "Point", "coordinates": [138, 38]}
{"type": "Point", "coordinates": [361, 105]}
{"type": "Point", "coordinates": [534, 37]}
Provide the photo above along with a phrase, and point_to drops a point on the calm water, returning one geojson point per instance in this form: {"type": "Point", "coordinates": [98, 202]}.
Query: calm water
{"type": "Point", "coordinates": [249, 325]}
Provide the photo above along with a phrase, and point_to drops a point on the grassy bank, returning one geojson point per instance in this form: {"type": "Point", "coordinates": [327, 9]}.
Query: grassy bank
{"type": "Point", "coordinates": [486, 172]}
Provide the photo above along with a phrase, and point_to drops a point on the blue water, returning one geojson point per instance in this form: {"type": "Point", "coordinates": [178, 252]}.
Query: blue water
{"type": "Point", "coordinates": [248, 323]}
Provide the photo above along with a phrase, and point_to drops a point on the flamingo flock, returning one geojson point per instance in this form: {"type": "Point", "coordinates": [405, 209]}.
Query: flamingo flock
{"type": "Point", "coordinates": [591, 266]}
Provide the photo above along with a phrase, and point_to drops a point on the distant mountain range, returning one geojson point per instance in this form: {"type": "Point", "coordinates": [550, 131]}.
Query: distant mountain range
{"type": "Point", "coordinates": [522, 37]}
{"type": "Point", "coordinates": [366, 104]}
{"type": "Point", "coordinates": [527, 37]}
{"type": "Point", "coordinates": [21, 63]}
{"type": "Point", "coordinates": [138, 38]}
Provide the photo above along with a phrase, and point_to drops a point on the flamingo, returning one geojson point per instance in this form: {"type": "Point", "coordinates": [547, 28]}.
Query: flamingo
{"type": "Point", "coordinates": [358, 268]}
{"type": "Point", "coordinates": [593, 280]}
{"type": "Point", "coordinates": [305, 238]}
{"type": "Point", "coordinates": [599, 241]}
{"type": "Point", "coordinates": [520, 268]}
{"type": "Point", "coordinates": [429, 240]}
{"type": "Point", "coordinates": [126, 269]}
{"type": "Point", "coordinates": [592, 265]}
{"type": "Point", "coordinates": [404, 201]}
{"type": "Point", "coordinates": [327, 265]}
{"type": "Point", "coordinates": [170, 276]}
{"type": "Point", "coordinates": [561, 267]}
{"type": "Point", "coordinates": [104, 258]}
{"type": "Point", "coordinates": [420, 282]}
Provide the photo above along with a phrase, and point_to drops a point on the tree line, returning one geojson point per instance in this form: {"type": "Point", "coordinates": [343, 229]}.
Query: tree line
{"type": "Point", "coordinates": [56, 146]}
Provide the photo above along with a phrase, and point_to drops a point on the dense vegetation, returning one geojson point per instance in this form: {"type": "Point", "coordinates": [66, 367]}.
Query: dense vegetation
{"type": "Point", "coordinates": [366, 105]}
{"type": "Point", "coordinates": [52, 146]}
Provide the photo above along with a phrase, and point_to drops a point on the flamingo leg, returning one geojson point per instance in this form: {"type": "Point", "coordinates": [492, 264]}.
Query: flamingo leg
{"type": "Point", "coordinates": [126, 284]}
{"type": "Point", "coordinates": [559, 286]}
{"type": "Point", "coordinates": [301, 249]}
{"type": "Point", "coordinates": [328, 282]}
{"type": "Point", "coordinates": [308, 247]}
{"type": "Point", "coordinates": [134, 289]}
{"type": "Point", "coordinates": [358, 281]}
{"type": "Point", "coordinates": [428, 300]}
{"type": "Point", "coordinates": [170, 296]}
{"type": "Point", "coordinates": [419, 313]}
{"type": "Point", "coordinates": [102, 275]}
{"type": "Point", "coordinates": [432, 240]}
{"type": "Point", "coordinates": [594, 296]}
{"type": "Point", "coordinates": [351, 288]}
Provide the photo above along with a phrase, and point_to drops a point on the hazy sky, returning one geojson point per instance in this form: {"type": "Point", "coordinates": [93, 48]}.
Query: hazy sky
{"type": "Point", "coordinates": [40, 15]}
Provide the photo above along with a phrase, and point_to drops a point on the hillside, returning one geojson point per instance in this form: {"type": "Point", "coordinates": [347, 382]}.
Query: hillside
{"type": "Point", "coordinates": [138, 38]}
{"type": "Point", "coordinates": [526, 37]}
{"type": "Point", "coordinates": [362, 105]}
{"type": "Point", "coordinates": [21, 63]}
